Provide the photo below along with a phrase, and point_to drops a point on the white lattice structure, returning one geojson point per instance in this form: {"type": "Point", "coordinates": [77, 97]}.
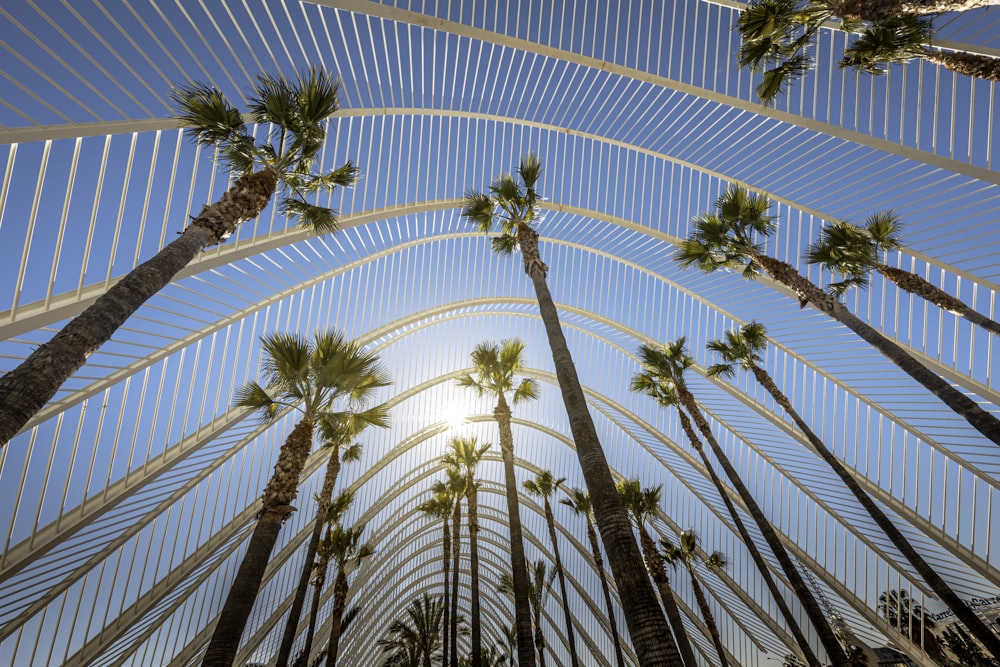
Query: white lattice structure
{"type": "Point", "coordinates": [125, 503]}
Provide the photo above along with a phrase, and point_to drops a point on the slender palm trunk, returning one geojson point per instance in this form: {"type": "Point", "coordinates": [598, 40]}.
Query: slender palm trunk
{"type": "Point", "coordinates": [27, 388]}
{"type": "Point", "coordinates": [314, 612]}
{"type": "Point", "coordinates": [647, 626]}
{"type": "Point", "coordinates": [325, 497]}
{"type": "Point", "coordinates": [755, 555]}
{"type": "Point", "coordinates": [477, 634]}
{"type": "Point", "coordinates": [337, 616]}
{"type": "Point", "coordinates": [278, 496]}
{"type": "Point", "coordinates": [539, 637]}
{"type": "Point", "coordinates": [456, 526]}
{"type": "Point", "coordinates": [706, 614]}
{"type": "Point", "coordinates": [551, 522]}
{"type": "Point", "coordinates": [933, 579]}
{"type": "Point", "coordinates": [834, 648]}
{"type": "Point", "coordinates": [785, 273]}
{"type": "Point", "coordinates": [916, 285]}
{"type": "Point", "coordinates": [446, 612]}
{"type": "Point", "coordinates": [518, 565]}
{"type": "Point", "coordinates": [599, 564]}
{"type": "Point", "coordinates": [654, 563]}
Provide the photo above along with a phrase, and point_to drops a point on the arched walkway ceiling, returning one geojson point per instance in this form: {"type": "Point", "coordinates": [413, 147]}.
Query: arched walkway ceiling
{"type": "Point", "coordinates": [640, 127]}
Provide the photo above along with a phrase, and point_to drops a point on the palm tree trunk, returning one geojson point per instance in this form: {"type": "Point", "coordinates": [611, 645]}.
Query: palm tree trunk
{"type": "Point", "coordinates": [914, 284]}
{"type": "Point", "coordinates": [551, 522]}
{"type": "Point", "coordinates": [313, 614]}
{"type": "Point", "coordinates": [647, 626]}
{"type": "Point", "coordinates": [755, 555]}
{"type": "Point", "coordinates": [325, 497]}
{"type": "Point", "coordinates": [446, 613]}
{"type": "Point", "coordinates": [655, 566]}
{"type": "Point", "coordinates": [27, 388]}
{"type": "Point", "coordinates": [336, 616]}
{"type": "Point", "coordinates": [706, 614]}
{"type": "Point", "coordinates": [539, 637]}
{"type": "Point", "coordinates": [456, 525]}
{"type": "Point", "coordinates": [933, 579]}
{"type": "Point", "coordinates": [477, 633]}
{"type": "Point", "coordinates": [880, 10]}
{"type": "Point", "coordinates": [599, 564]}
{"type": "Point", "coordinates": [834, 649]}
{"type": "Point", "coordinates": [279, 493]}
{"type": "Point", "coordinates": [785, 273]}
{"type": "Point", "coordinates": [518, 565]}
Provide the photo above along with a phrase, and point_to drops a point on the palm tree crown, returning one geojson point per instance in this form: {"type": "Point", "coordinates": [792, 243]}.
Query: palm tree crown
{"type": "Point", "coordinates": [778, 37]}
{"type": "Point", "coordinates": [495, 370]}
{"type": "Point", "coordinates": [509, 203]}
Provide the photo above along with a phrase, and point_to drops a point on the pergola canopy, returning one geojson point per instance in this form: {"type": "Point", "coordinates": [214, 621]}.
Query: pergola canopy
{"type": "Point", "coordinates": [129, 497]}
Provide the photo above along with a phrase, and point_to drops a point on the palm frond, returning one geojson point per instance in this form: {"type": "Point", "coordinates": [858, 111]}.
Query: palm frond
{"type": "Point", "coordinates": [885, 230]}
{"type": "Point", "coordinates": [720, 371]}
{"type": "Point", "coordinates": [207, 115]}
{"type": "Point", "coordinates": [505, 244]}
{"type": "Point", "coordinates": [317, 219]}
{"type": "Point", "coordinates": [479, 209]}
{"type": "Point", "coordinates": [352, 453]}
{"type": "Point", "coordinates": [530, 170]}
{"type": "Point", "coordinates": [894, 40]}
{"type": "Point", "coordinates": [317, 96]}
{"type": "Point", "coordinates": [506, 189]}
{"type": "Point", "coordinates": [343, 176]}
{"type": "Point", "coordinates": [528, 390]}
{"type": "Point", "coordinates": [255, 397]}
{"type": "Point", "coordinates": [273, 101]}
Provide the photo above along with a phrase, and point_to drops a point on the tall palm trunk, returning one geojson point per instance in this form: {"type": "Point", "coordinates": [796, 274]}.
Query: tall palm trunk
{"type": "Point", "coordinates": [446, 612]}
{"type": "Point", "coordinates": [456, 525]}
{"type": "Point", "coordinates": [785, 273]}
{"type": "Point", "coordinates": [755, 555]}
{"type": "Point", "coordinates": [336, 616]}
{"type": "Point", "coordinates": [706, 614]}
{"type": "Point", "coordinates": [599, 564]}
{"type": "Point", "coordinates": [834, 648]}
{"type": "Point", "coordinates": [933, 579]}
{"type": "Point", "coordinates": [279, 493]}
{"type": "Point", "coordinates": [518, 565]}
{"type": "Point", "coordinates": [654, 563]}
{"type": "Point", "coordinates": [551, 522]}
{"type": "Point", "coordinates": [477, 634]}
{"type": "Point", "coordinates": [325, 497]}
{"type": "Point", "coordinates": [647, 626]}
{"type": "Point", "coordinates": [27, 388]}
{"type": "Point", "coordinates": [914, 284]}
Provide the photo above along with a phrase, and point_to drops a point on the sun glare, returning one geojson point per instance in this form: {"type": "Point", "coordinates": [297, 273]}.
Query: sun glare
{"type": "Point", "coordinates": [455, 413]}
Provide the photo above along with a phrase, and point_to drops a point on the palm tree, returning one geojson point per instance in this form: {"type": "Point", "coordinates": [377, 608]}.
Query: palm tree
{"type": "Point", "coordinates": [513, 204]}
{"type": "Point", "coordinates": [440, 506]}
{"type": "Point", "coordinates": [344, 547]}
{"type": "Point", "coordinates": [730, 239]}
{"type": "Point", "coordinates": [686, 552]}
{"type": "Point", "coordinates": [540, 585]}
{"type": "Point", "coordinates": [656, 385]}
{"type": "Point", "coordinates": [310, 377]}
{"type": "Point", "coordinates": [337, 431]}
{"type": "Point", "coordinates": [579, 502]}
{"type": "Point", "coordinates": [465, 454]}
{"type": "Point", "coordinates": [642, 505]}
{"type": "Point", "coordinates": [663, 372]}
{"type": "Point", "coordinates": [777, 36]}
{"type": "Point", "coordinates": [495, 368]}
{"type": "Point", "coordinates": [543, 486]}
{"type": "Point", "coordinates": [332, 515]}
{"type": "Point", "coordinates": [417, 637]}
{"type": "Point", "coordinates": [855, 252]}
{"type": "Point", "coordinates": [453, 487]}
{"type": "Point", "coordinates": [298, 110]}
{"type": "Point", "coordinates": [744, 348]}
